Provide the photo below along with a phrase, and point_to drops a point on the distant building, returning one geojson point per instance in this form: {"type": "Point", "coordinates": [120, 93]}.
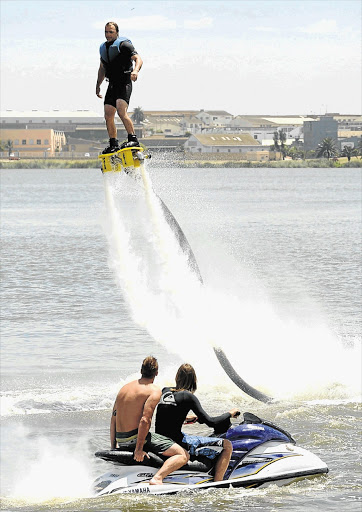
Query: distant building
{"type": "Point", "coordinates": [262, 128]}
{"type": "Point", "coordinates": [84, 127]}
{"type": "Point", "coordinates": [191, 124]}
{"type": "Point", "coordinates": [38, 142]}
{"type": "Point", "coordinates": [214, 117]}
{"type": "Point", "coordinates": [57, 119]}
{"type": "Point", "coordinates": [82, 124]}
{"type": "Point", "coordinates": [348, 122]}
{"type": "Point", "coordinates": [83, 146]}
{"type": "Point", "coordinates": [162, 144]}
{"type": "Point", "coordinates": [350, 139]}
{"type": "Point", "coordinates": [315, 131]}
{"type": "Point", "coordinates": [242, 144]}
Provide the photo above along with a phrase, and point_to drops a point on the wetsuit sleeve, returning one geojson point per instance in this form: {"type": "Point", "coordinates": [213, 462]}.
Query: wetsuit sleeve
{"type": "Point", "coordinates": [203, 417]}
{"type": "Point", "coordinates": [128, 47]}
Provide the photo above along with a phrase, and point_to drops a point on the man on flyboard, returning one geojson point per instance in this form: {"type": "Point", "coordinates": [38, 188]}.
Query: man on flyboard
{"type": "Point", "coordinates": [117, 57]}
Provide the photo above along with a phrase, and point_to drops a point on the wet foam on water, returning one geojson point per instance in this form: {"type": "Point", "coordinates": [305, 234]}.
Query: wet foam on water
{"type": "Point", "coordinates": [44, 470]}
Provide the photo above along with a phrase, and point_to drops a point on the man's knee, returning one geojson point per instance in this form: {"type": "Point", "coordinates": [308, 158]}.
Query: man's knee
{"type": "Point", "coordinates": [108, 116]}
{"type": "Point", "coordinates": [176, 449]}
{"type": "Point", "coordinates": [122, 107]}
{"type": "Point", "coordinates": [109, 112]}
{"type": "Point", "coordinates": [186, 455]}
{"type": "Point", "coordinates": [181, 451]}
{"type": "Point", "coordinates": [123, 115]}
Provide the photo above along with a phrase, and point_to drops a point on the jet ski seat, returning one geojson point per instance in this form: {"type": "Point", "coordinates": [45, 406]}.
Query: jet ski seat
{"type": "Point", "coordinates": [155, 461]}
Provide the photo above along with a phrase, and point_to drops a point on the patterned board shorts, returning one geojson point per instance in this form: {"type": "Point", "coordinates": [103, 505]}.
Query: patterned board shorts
{"type": "Point", "coordinates": [209, 447]}
{"type": "Point", "coordinates": [154, 442]}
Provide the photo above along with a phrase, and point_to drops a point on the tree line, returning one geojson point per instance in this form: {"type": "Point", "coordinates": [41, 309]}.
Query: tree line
{"type": "Point", "coordinates": [326, 148]}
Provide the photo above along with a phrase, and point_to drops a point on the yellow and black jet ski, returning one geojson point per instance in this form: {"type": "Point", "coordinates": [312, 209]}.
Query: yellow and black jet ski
{"type": "Point", "coordinates": [123, 159]}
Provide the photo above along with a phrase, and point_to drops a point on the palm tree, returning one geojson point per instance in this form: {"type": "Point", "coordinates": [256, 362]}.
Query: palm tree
{"type": "Point", "coordinates": [9, 146]}
{"type": "Point", "coordinates": [327, 148]}
{"type": "Point", "coordinates": [282, 138]}
{"type": "Point", "coordinates": [138, 115]}
{"type": "Point", "coordinates": [279, 136]}
{"type": "Point", "coordinates": [348, 152]}
{"type": "Point", "coordinates": [276, 141]}
{"type": "Point", "coordinates": [359, 148]}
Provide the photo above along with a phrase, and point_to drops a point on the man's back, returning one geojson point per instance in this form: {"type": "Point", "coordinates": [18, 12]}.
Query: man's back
{"type": "Point", "coordinates": [131, 402]}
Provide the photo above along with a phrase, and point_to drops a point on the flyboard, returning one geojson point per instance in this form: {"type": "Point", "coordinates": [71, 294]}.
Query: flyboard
{"type": "Point", "coordinates": [123, 159]}
{"type": "Point", "coordinates": [129, 160]}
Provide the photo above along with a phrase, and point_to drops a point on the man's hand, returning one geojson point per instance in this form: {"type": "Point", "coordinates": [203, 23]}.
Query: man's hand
{"type": "Point", "coordinates": [234, 413]}
{"type": "Point", "coordinates": [139, 455]}
{"type": "Point", "coordinates": [134, 75]}
{"type": "Point", "coordinates": [98, 91]}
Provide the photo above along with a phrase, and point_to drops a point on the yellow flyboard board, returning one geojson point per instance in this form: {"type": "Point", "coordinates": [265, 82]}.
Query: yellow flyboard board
{"type": "Point", "coordinates": [122, 159]}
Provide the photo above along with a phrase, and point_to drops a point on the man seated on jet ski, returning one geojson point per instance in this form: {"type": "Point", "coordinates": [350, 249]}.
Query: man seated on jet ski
{"type": "Point", "coordinates": [172, 413]}
{"type": "Point", "coordinates": [131, 421]}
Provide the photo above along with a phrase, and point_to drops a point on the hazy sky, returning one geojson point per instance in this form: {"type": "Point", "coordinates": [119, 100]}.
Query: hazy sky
{"type": "Point", "coordinates": [246, 57]}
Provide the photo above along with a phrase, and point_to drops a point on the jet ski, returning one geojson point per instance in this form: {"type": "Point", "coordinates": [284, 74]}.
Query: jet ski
{"type": "Point", "coordinates": [263, 454]}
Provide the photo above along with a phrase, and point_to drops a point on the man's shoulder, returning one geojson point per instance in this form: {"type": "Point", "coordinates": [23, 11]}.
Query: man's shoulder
{"type": "Point", "coordinates": [127, 386]}
{"type": "Point", "coordinates": [154, 389]}
{"type": "Point", "coordinates": [127, 46]}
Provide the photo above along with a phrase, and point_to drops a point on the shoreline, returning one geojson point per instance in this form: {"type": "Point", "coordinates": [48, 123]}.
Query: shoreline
{"type": "Point", "coordinates": [55, 163]}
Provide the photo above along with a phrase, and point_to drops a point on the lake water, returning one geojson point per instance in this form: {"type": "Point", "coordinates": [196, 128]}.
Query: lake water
{"type": "Point", "coordinates": [92, 283]}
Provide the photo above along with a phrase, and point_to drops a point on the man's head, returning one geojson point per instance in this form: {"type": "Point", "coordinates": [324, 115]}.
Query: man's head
{"type": "Point", "coordinates": [149, 368]}
{"type": "Point", "coordinates": [111, 31]}
{"type": "Point", "coordinates": [186, 378]}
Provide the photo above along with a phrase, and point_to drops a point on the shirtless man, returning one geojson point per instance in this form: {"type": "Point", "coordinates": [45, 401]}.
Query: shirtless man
{"type": "Point", "coordinates": [131, 421]}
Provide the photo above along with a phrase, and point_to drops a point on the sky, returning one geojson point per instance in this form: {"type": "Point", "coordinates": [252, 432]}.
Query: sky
{"type": "Point", "coordinates": [245, 57]}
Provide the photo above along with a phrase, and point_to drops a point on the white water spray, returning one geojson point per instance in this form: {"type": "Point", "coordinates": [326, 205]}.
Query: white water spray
{"type": "Point", "coordinates": [44, 471]}
{"type": "Point", "coordinates": [166, 298]}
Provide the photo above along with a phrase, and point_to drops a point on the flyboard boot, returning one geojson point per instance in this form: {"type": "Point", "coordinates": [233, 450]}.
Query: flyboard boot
{"type": "Point", "coordinates": [132, 142]}
{"type": "Point", "coordinates": [112, 148]}
{"type": "Point", "coordinates": [128, 157]}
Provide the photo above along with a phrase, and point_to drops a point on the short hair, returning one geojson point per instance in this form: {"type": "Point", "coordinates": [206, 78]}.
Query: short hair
{"type": "Point", "coordinates": [149, 367]}
{"type": "Point", "coordinates": [186, 378]}
{"type": "Point", "coordinates": [114, 24]}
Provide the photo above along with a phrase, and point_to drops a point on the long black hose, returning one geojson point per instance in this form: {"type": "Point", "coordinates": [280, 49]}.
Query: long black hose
{"type": "Point", "coordinates": [235, 377]}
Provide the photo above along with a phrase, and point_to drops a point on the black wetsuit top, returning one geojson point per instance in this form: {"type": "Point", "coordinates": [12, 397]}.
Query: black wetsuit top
{"type": "Point", "coordinates": [173, 409]}
{"type": "Point", "coordinates": [119, 65]}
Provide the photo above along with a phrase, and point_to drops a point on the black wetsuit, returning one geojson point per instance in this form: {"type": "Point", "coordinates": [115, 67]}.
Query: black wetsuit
{"type": "Point", "coordinates": [118, 66]}
{"type": "Point", "coordinates": [173, 409]}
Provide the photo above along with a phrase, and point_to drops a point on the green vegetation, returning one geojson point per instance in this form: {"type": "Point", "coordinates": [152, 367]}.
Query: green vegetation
{"type": "Point", "coordinates": [349, 152]}
{"type": "Point", "coordinates": [9, 146]}
{"type": "Point", "coordinates": [279, 140]}
{"type": "Point", "coordinates": [95, 164]}
{"type": "Point", "coordinates": [327, 148]}
{"type": "Point", "coordinates": [51, 163]}
{"type": "Point", "coordinates": [359, 148]}
{"type": "Point", "coordinates": [321, 163]}
{"type": "Point", "coordinates": [138, 115]}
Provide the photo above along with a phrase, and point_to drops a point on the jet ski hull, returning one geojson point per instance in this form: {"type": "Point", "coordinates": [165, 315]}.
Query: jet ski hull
{"type": "Point", "coordinates": [271, 463]}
